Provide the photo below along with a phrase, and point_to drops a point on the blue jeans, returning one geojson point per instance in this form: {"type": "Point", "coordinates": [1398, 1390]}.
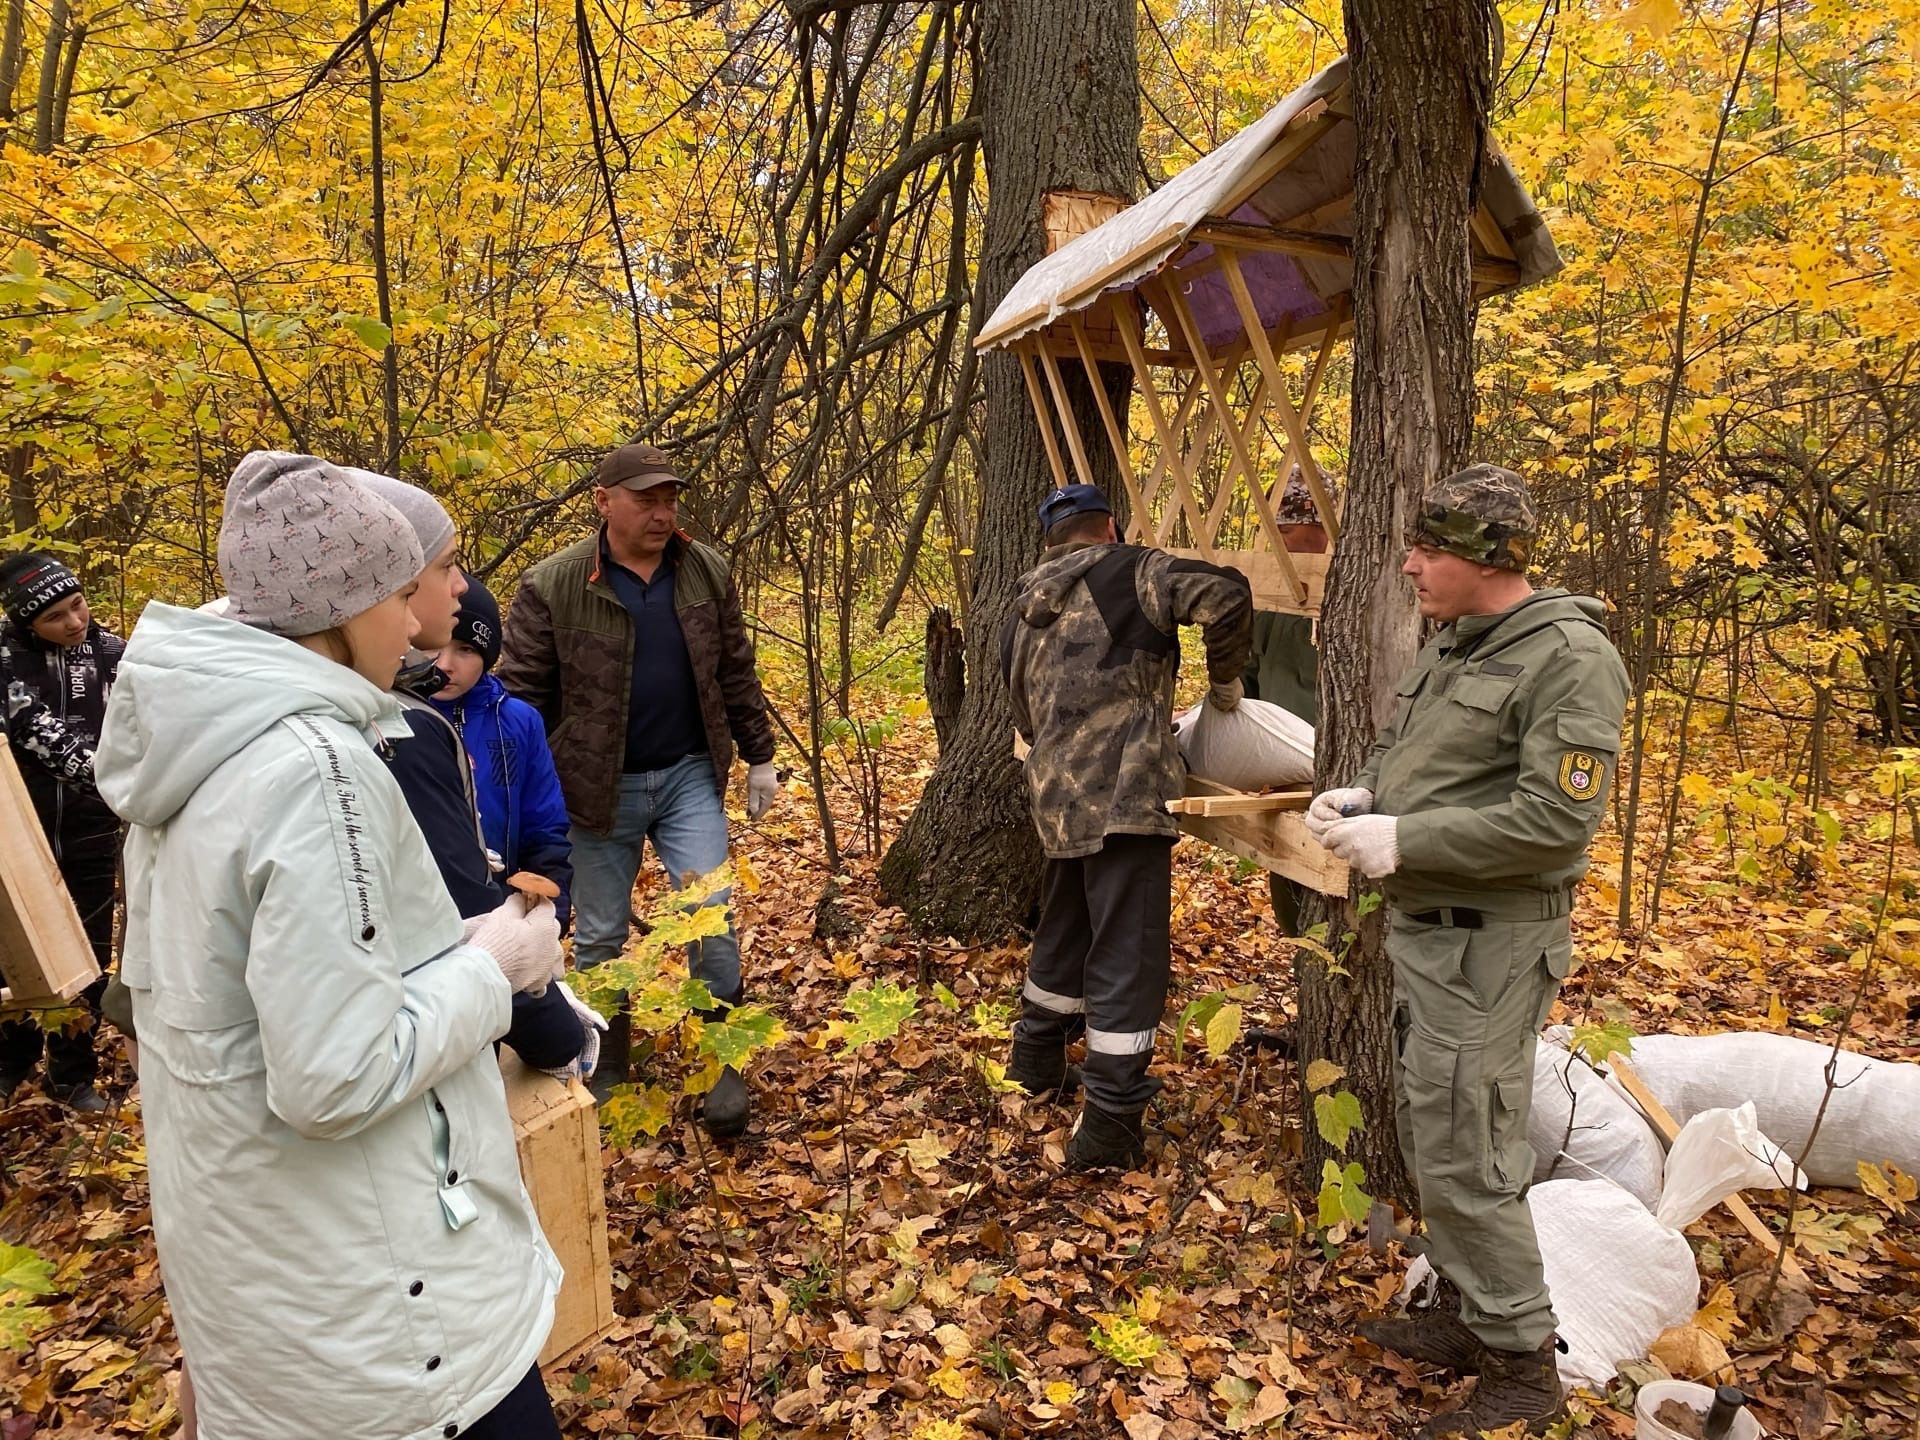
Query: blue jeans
{"type": "Point", "coordinates": [677, 809]}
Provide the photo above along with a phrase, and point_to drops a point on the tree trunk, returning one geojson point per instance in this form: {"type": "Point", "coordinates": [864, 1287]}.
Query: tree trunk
{"type": "Point", "coordinates": [1061, 110]}
{"type": "Point", "coordinates": [1422, 75]}
{"type": "Point", "coordinates": [49, 77]}
{"type": "Point", "coordinates": [13, 50]}
{"type": "Point", "coordinates": [943, 672]}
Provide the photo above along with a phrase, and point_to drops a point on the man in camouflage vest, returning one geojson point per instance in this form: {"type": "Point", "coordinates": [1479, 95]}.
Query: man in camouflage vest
{"type": "Point", "coordinates": [1090, 654]}
{"type": "Point", "coordinates": [1475, 810]}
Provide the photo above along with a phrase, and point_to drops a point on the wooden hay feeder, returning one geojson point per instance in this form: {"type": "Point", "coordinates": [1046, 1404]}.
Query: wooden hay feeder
{"type": "Point", "coordinates": [1201, 290]}
{"type": "Point", "coordinates": [44, 954]}
{"type": "Point", "coordinates": [556, 1128]}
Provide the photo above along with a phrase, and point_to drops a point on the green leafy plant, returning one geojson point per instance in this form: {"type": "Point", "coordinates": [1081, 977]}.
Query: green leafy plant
{"type": "Point", "coordinates": [23, 1275]}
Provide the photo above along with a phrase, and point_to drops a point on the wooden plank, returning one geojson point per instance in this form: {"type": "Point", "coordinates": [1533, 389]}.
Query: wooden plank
{"type": "Point", "coordinates": [1306, 130]}
{"type": "Point", "coordinates": [1223, 413]}
{"type": "Point", "coordinates": [1272, 590]}
{"type": "Point", "coordinates": [1663, 1121]}
{"type": "Point", "coordinates": [44, 954]}
{"type": "Point", "coordinates": [1272, 240]}
{"type": "Point", "coordinates": [1110, 422]}
{"type": "Point", "coordinates": [556, 1129]}
{"type": "Point", "coordinates": [1241, 803]}
{"type": "Point", "coordinates": [1276, 841]}
{"type": "Point", "coordinates": [1076, 443]}
{"type": "Point", "coordinates": [1040, 415]}
{"type": "Point", "coordinates": [1492, 238]}
{"type": "Point", "coordinates": [1169, 442]}
{"type": "Point", "coordinates": [1290, 419]}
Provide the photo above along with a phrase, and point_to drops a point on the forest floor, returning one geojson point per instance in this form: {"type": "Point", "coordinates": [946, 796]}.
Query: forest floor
{"type": "Point", "coordinates": [978, 1290]}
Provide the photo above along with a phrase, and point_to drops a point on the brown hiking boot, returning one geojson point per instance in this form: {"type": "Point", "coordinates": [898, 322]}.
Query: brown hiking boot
{"type": "Point", "coordinates": [1432, 1334]}
{"type": "Point", "coordinates": [1516, 1387]}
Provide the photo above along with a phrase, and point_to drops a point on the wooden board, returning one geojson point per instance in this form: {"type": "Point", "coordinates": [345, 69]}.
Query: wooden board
{"type": "Point", "coordinates": [44, 954]}
{"type": "Point", "coordinates": [1668, 1127]}
{"type": "Point", "coordinates": [1270, 588]}
{"type": "Point", "coordinates": [1276, 840]}
{"type": "Point", "coordinates": [1240, 802]}
{"type": "Point", "coordinates": [556, 1128]}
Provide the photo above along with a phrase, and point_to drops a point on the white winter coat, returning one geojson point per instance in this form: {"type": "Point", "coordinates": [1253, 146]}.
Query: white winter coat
{"type": "Point", "coordinates": [346, 1243]}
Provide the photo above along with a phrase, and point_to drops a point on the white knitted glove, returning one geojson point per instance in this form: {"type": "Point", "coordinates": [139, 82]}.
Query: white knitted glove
{"type": "Point", "coordinates": [1224, 695]}
{"type": "Point", "coordinates": [524, 944]}
{"type": "Point", "coordinates": [1331, 805]}
{"type": "Point", "coordinates": [763, 783]}
{"type": "Point", "coordinates": [1369, 843]}
{"type": "Point", "coordinates": [595, 1025]}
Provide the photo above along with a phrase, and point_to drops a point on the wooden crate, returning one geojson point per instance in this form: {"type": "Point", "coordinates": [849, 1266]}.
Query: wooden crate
{"type": "Point", "coordinates": [556, 1128]}
{"type": "Point", "coordinates": [44, 954]}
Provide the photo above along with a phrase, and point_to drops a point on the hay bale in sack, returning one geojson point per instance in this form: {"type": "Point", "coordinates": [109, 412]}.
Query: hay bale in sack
{"type": "Point", "coordinates": [1580, 1129]}
{"type": "Point", "coordinates": [1874, 1115]}
{"type": "Point", "coordinates": [1254, 746]}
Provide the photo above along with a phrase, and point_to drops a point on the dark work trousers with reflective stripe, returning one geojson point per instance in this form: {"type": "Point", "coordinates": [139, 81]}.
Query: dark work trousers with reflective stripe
{"type": "Point", "coordinates": [1101, 954]}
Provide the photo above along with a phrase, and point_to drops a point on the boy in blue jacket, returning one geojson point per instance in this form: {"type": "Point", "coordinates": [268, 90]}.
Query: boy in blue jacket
{"type": "Point", "coordinates": [515, 786]}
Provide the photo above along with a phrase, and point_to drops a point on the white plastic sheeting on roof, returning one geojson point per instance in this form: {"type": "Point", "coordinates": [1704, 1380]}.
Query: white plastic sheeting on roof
{"type": "Point", "coordinates": [1139, 241]}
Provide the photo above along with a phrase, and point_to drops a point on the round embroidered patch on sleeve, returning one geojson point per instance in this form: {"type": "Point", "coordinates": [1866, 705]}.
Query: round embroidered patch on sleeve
{"type": "Point", "coordinates": [1581, 774]}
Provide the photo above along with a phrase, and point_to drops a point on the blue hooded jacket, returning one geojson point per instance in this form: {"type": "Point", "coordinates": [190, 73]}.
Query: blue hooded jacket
{"type": "Point", "coordinates": [522, 812]}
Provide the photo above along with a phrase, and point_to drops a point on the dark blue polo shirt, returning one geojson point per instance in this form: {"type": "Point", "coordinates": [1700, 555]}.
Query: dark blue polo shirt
{"type": "Point", "coordinates": [664, 723]}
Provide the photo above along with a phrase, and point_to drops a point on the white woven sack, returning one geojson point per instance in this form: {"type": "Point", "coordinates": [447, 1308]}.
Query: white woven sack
{"type": "Point", "coordinates": [1581, 1130]}
{"type": "Point", "coordinates": [1254, 746]}
{"type": "Point", "coordinates": [1874, 1114]}
{"type": "Point", "coordinates": [1618, 1277]}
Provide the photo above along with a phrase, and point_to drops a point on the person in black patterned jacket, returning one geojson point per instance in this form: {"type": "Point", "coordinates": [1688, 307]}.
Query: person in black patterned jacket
{"type": "Point", "coordinates": [57, 666]}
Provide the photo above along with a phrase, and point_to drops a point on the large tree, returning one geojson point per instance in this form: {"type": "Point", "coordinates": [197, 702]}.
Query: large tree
{"type": "Point", "coordinates": [1060, 104]}
{"type": "Point", "coordinates": [1422, 80]}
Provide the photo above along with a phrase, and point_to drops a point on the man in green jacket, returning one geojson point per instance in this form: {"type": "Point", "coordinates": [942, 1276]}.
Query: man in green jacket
{"type": "Point", "coordinates": [1475, 809]}
{"type": "Point", "coordinates": [632, 646]}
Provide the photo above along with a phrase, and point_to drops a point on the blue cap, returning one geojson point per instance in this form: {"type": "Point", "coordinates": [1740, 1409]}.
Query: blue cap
{"type": "Point", "coordinates": [1071, 500]}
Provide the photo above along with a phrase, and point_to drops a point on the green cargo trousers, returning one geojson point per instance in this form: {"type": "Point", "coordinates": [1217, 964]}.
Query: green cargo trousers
{"type": "Point", "coordinates": [1468, 1007]}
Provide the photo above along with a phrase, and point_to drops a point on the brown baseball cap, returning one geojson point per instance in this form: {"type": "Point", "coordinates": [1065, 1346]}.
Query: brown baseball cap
{"type": "Point", "coordinates": [636, 467]}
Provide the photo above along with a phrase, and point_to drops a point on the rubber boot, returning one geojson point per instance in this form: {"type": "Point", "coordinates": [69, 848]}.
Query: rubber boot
{"type": "Point", "coordinates": [82, 1098]}
{"type": "Point", "coordinates": [1431, 1334]}
{"type": "Point", "coordinates": [1040, 1068]}
{"type": "Point", "coordinates": [725, 1109]}
{"type": "Point", "coordinates": [1104, 1141]}
{"type": "Point", "coordinates": [1516, 1387]}
{"type": "Point", "coordinates": [616, 1053]}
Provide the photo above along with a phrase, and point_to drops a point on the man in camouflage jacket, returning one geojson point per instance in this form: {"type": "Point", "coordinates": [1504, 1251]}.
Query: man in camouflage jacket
{"type": "Point", "coordinates": [1090, 654]}
{"type": "Point", "coordinates": [1474, 811]}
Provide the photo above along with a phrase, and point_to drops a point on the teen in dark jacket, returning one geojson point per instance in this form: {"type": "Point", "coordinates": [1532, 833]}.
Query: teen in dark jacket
{"type": "Point", "coordinates": [57, 666]}
{"type": "Point", "coordinates": [523, 814]}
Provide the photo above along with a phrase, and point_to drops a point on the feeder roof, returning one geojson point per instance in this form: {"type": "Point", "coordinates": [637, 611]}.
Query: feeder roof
{"type": "Point", "coordinates": [1280, 193]}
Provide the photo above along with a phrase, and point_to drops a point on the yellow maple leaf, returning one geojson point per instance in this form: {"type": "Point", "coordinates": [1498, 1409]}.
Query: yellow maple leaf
{"type": "Point", "coordinates": [949, 1381]}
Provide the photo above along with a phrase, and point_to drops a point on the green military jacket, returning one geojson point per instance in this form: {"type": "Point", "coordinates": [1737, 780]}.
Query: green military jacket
{"type": "Point", "coordinates": [1504, 739]}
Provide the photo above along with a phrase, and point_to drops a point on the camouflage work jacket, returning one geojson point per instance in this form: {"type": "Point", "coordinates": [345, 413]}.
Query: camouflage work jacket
{"type": "Point", "coordinates": [567, 650]}
{"type": "Point", "coordinates": [1090, 654]}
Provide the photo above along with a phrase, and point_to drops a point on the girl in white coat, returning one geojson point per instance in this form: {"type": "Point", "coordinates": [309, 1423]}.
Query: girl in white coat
{"type": "Point", "coordinates": [345, 1240]}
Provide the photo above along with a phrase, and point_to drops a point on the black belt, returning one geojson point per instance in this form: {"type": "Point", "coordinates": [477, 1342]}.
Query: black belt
{"type": "Point", "coordinates": [1457, 917]}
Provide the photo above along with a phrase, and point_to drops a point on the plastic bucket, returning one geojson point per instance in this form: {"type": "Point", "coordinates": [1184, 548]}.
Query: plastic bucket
{"type": "Point", "coordinates": [1699, 1397]}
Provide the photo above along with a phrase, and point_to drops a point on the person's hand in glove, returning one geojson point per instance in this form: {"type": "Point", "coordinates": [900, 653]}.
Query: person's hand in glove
{"type": "Point", "coordinates": [524, 943]}
{"type": "Point", "coordinates": [1332, 805]}
{"type": "Point", "coordinates": [1369, 843]}
{"type": "Point", "coordinates": [593, 1025]}
{"type": "Point", "coordinates": [1224, 695]}
{"type": "Point", "coordinates": [763, 783]}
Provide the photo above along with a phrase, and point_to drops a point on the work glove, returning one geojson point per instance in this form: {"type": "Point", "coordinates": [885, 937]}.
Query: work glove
{"type": "Point", "coordinates": [1331, 805]}
{"type": "Point", "coordinates": [524, 943]}
{"type": "Point", "coordinates": [1224, 695]}
{"type": "Point", "coordinates": [1369, 843]}
{"type": "Point", "coordinates": [762, 785]}
{"type": "Point", "coordinates": [593, 1024]}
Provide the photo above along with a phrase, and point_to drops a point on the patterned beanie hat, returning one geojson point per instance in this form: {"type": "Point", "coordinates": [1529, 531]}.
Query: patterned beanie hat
{"type": "Point", "coordinates": [33, 583]}
{"type": "Point", "coordinates": [304, 548]}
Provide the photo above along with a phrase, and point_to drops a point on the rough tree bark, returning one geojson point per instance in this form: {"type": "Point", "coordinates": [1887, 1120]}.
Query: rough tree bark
{"type": "Point", "coordinates": [943, 672]}
{"type": "Point", "coordinates": [1061, 110]}
{"type": "Point", "coordinates": [1422, 78]}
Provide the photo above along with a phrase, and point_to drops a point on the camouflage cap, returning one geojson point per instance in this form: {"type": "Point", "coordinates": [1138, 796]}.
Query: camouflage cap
{"type": "Point", "coordinates": [1481, 514]}
{"type": "Point", "coordinates": [1296, 505]}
